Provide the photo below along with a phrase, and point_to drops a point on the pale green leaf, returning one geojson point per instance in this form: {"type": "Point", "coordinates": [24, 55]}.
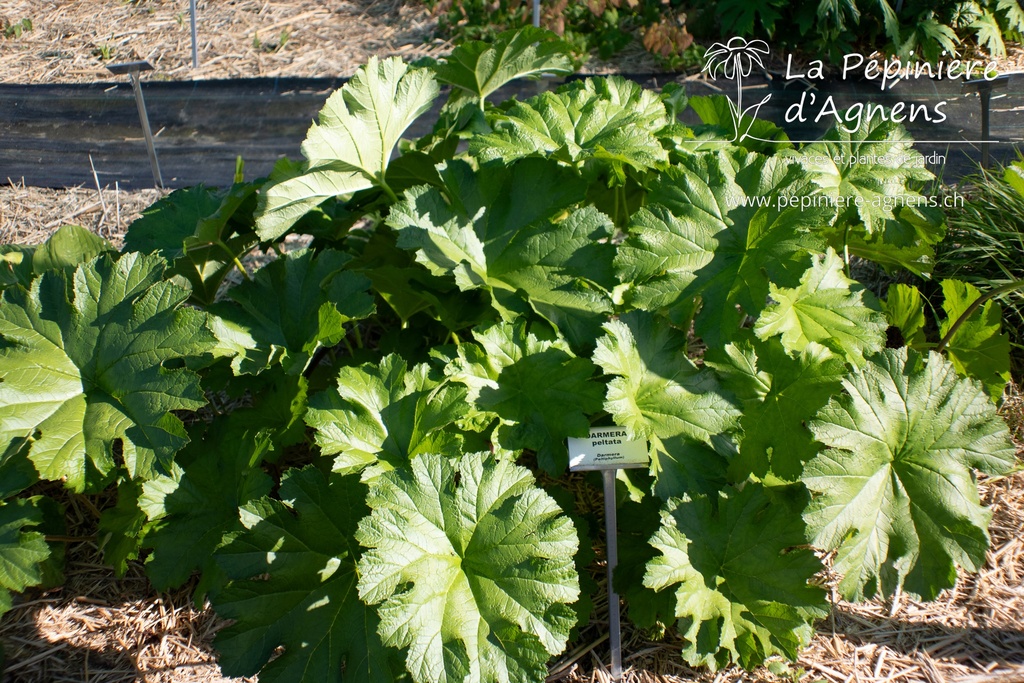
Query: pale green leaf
{"type": "Point", "coordinates": [1013, 13]}
{"type": "Point", "coordinates": [481, 67]}
{"type": "Point", "coordinates": [869, 167]}
{"type": "Point", "coordinates": [385, 412]}
{"type": "Point", "coordinates": [67, 247]}
{"type": "Point", "coordinates": [895, 493]}
{"type": "Point", "coordinates": [87, 370]}
{"type": "Point", "coordinates": [659, 260]}
{"type": "Point", "coordinates": [1014, 173]}
{"type": "Point", "coordinates": [350, 147]}
{"type": "Point", "coordinates": [472, 566]}
{"type": "Point", "coordinates": [978, 348]}
{"type": "Point", "coordinates": [827, 308]}
{"type": "Point", "coordinates": [607, 119]}
{"type": "Point", "coordinates": [988, 34]}
{"type": "Point", "coordinates": [657, 390]}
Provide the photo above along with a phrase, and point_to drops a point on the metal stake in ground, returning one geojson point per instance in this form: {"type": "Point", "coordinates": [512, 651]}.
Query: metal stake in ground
{"type": "Point", "coordinates": [195, 41]}
{"type": "Point", "coordinates": [133, 69]}
{"type": "Point", "coordinates": [611, 537]}
{"type": "Point", "coordinates": [608, 449]}
{"type": "Point", "coordinates": [984, 88]}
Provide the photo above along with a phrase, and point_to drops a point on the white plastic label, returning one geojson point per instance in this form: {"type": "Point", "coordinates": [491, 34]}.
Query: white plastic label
{"type": "Point", "coordinates": [607, 448]}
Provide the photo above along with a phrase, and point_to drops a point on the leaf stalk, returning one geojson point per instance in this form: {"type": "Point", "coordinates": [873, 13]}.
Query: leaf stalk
{"type": "Point", "coordinates": [975, 305]}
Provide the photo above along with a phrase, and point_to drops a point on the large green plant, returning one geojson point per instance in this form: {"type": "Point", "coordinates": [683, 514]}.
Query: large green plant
{"type": "Point", "coordinates": [466, 306]}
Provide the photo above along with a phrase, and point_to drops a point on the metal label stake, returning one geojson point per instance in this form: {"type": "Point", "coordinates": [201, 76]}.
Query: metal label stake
{"type": "Point", "coordinates": [133, 69]}
{"type": "Point", "coordinates": [611, 536]}
{"type": "Point", "coordinates": [195, 40]}
{"type": "Point", "coordinates": [608, 449]}
{"type": "Point", "coordinates": [984, 88]}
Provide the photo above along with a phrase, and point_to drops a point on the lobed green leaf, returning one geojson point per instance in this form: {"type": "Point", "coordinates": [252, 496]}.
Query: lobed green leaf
{"type": "Point", "coordinates": [292, 585]}
{"type": "Point", "coordinates": [827, 308]}
{"type": "Point", "coordinates": [540, 392]}
{"type": "Point", "coordinates": [349, 148]}
{"type": "Point", "coordinates": [87, 372]}
{"type": "Point", "coordinates": [472, 566]}
{"type": "Point", "coordinates": [741, 586]}
{"type": "Point", "coordinates": [895, 492]}
{"type": "Point", "coordinates": [292, 307]}
{"type": "Point", "coordinates": [385, 414]}
{"type": "Point", "coordinates": [481, 67]}
{"type": "Point", "coordinates": [22, 551]}
{"type": "Point", "coordinates": [513, 232]}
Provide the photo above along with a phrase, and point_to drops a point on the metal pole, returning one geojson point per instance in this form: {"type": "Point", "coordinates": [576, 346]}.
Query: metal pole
{"type": "Point", "coordinates": [195, 41]}
{"type": "Point", "coordinates": [610, 523]}
{"type": "Point", "coordinates": [150, 146]}
{"type": "Point", "coordinates": [536, 13]}
{"type": "Point", "coordinates": [985, 86]}
{"type": "Point", "coordinates": [985, 92]}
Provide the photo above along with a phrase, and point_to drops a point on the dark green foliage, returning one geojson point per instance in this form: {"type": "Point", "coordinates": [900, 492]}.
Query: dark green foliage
{"type": "Point", "coordinates": [921, 30]}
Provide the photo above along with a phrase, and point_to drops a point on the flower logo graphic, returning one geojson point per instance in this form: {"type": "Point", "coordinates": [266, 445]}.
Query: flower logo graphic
{"type": "Point", "coordinates": [735, 59]}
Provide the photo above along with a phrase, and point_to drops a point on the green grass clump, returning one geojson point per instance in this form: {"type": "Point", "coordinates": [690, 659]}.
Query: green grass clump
{"type": "Point", "coordinates": [984, 245]}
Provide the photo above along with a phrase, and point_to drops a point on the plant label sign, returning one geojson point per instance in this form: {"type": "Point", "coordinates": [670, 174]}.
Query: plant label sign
{"type": "Point", "coordinates": [607, 448]}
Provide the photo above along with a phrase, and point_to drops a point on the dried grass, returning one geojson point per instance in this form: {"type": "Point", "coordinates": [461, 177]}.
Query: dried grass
{"type": "Point", "coordinates": [29, 214]}
{"type": "Point", "coordinates": [97, 628]}
{"type": "Point", "coordinates": [73, 40]}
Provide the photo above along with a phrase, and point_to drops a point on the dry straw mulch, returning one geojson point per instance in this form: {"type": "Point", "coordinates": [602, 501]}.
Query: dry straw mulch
{"type": "Point", "coordinates": [73, 40]}
{"type": "Point", "coordinates": [29, 214]}
{"type": "Point", "coordinates": [100, 629]}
